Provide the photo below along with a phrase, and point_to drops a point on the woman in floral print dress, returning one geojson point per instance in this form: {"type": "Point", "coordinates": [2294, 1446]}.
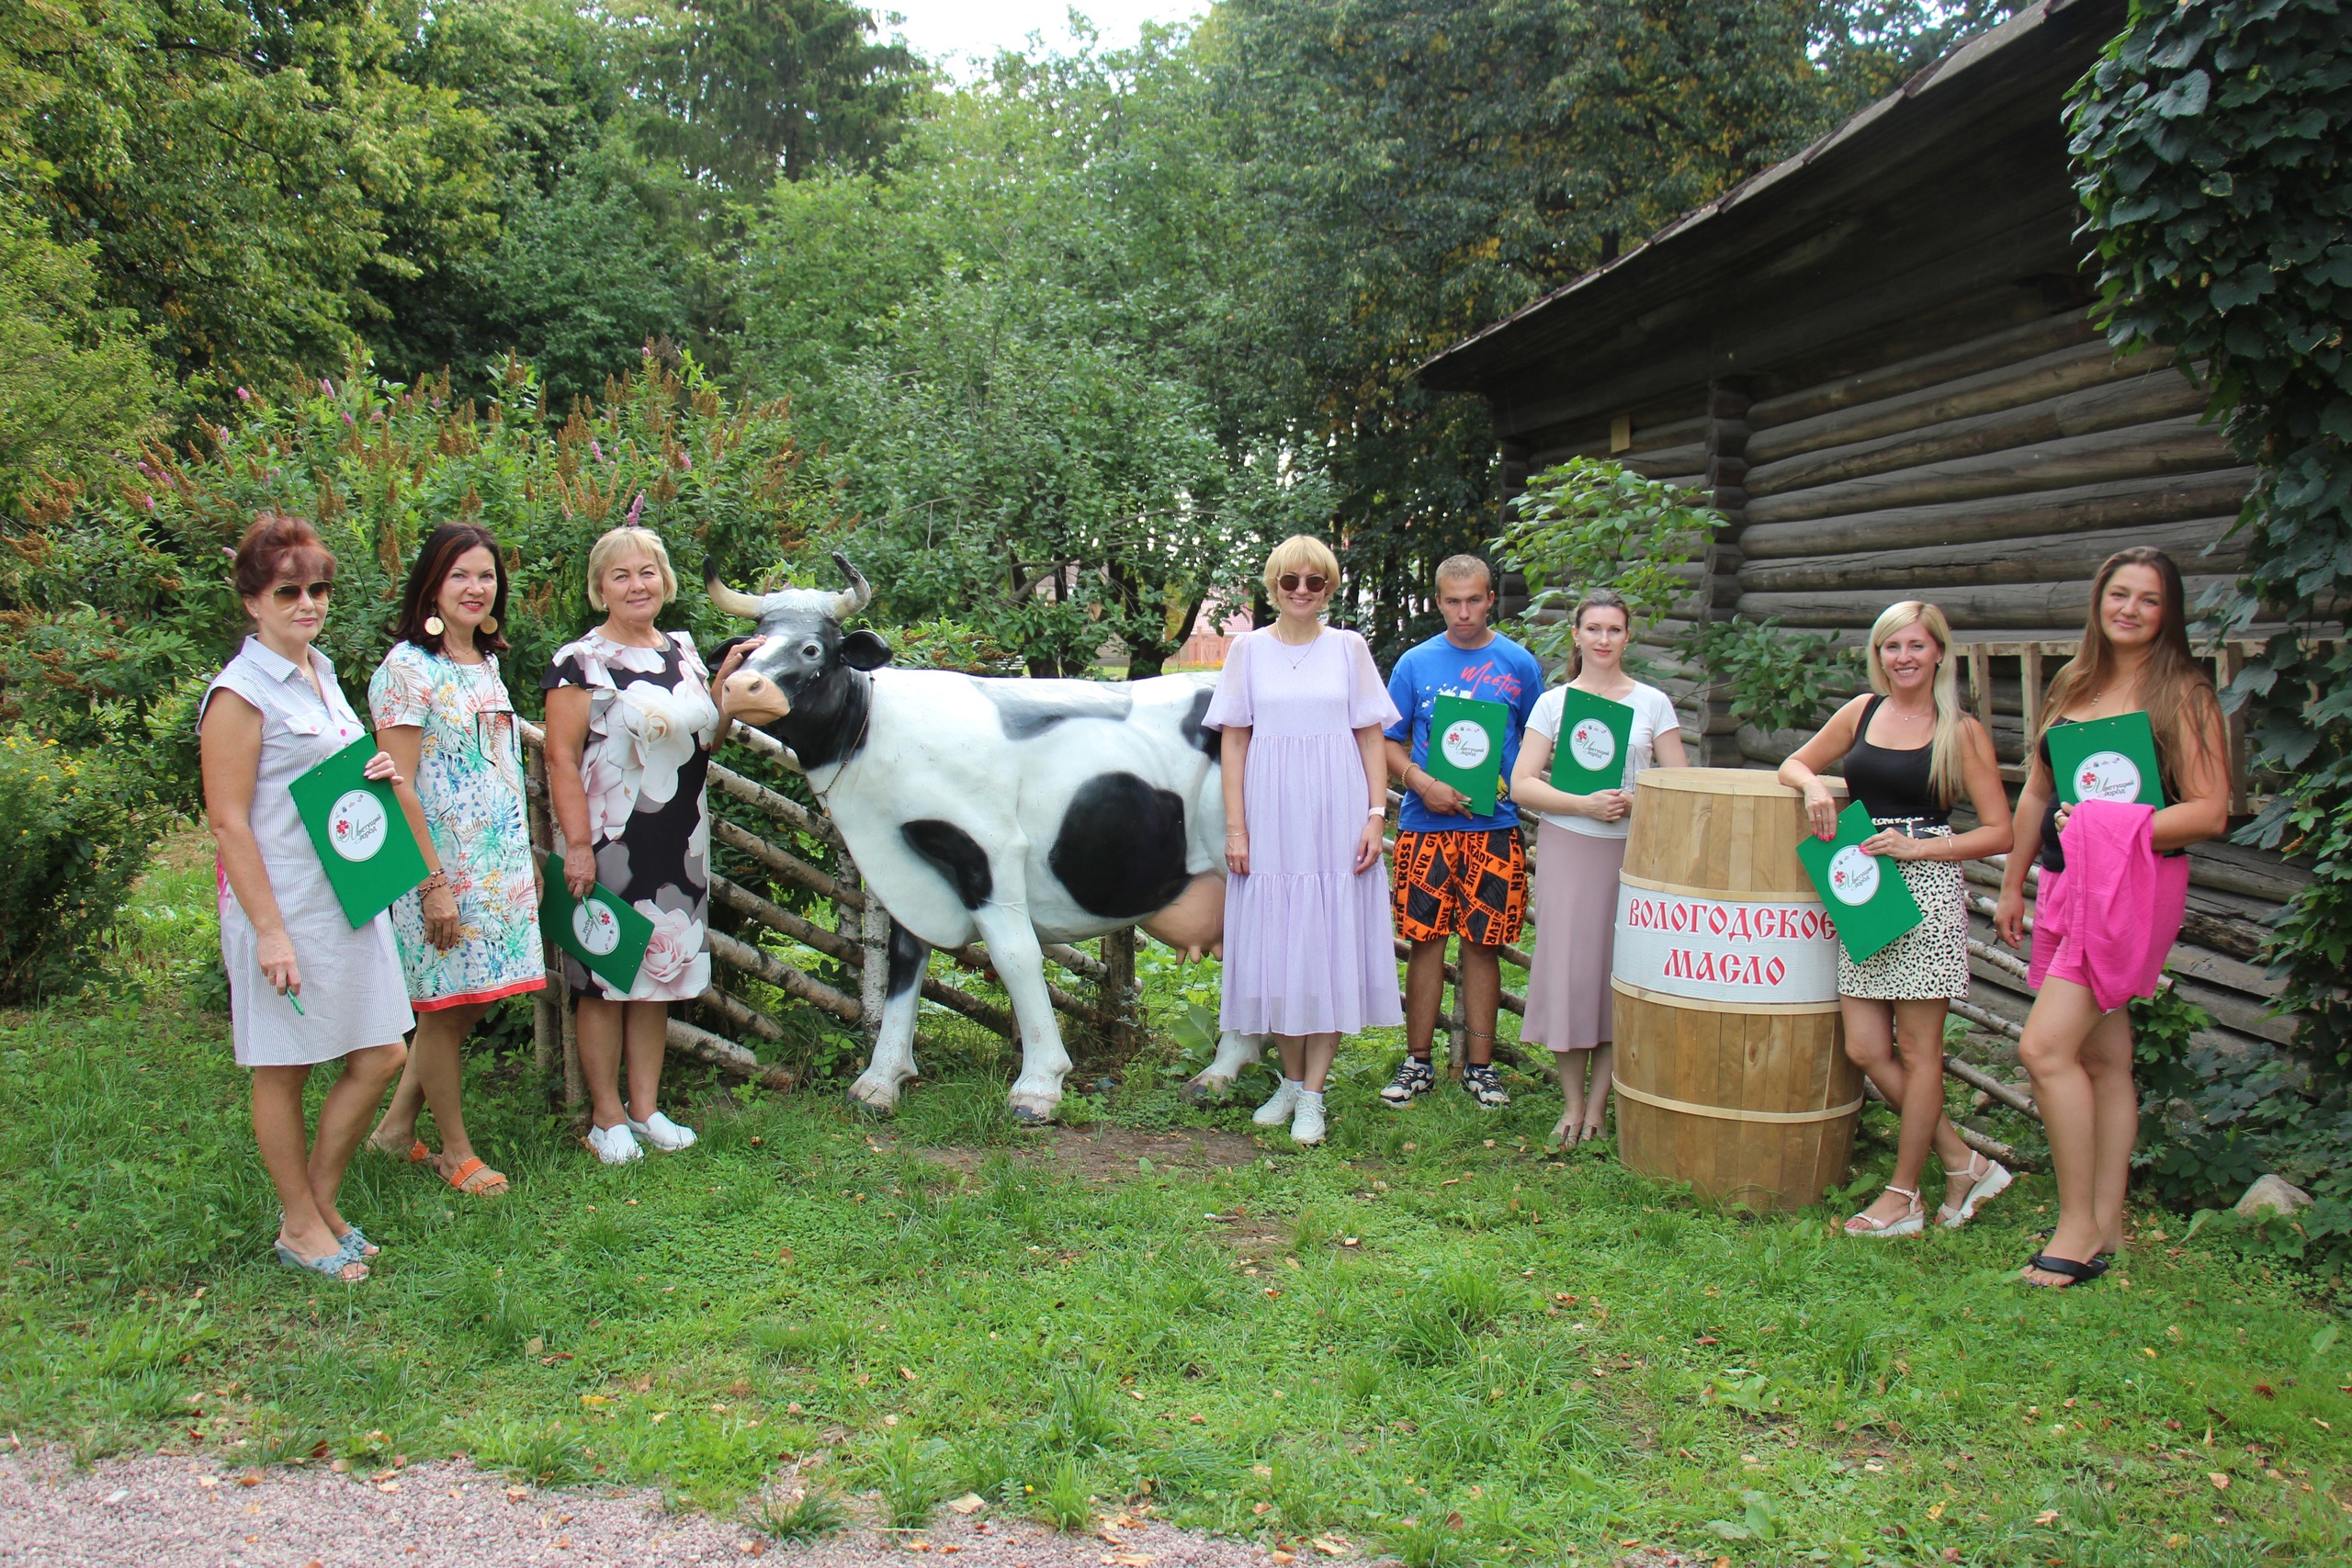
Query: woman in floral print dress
{"type": "Point", "coordinates": [631, 725]}
{"type": "Point", "coordinates": [469, 936]}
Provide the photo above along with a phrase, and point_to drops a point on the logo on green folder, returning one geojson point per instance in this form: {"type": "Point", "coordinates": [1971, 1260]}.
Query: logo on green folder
{"type": "Point", "coordinates": [595, 927]}
{"type": "Point", "coordinates": [355, 825]}
{"type": "Point", "coordinates": [1593, 744]}
{"type": "Point", "coordinates": [1853, 875]}
{"type": "Point", "coordinates": [2108, 775]}
{"type": "Point", "coordinates": [1466, 743]}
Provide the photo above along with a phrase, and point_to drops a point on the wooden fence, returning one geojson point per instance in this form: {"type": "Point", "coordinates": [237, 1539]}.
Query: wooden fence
{"type": "Point", "coordinates": [859, 937]}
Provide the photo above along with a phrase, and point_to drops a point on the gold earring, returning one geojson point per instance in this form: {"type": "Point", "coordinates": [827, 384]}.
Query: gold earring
{"type": "Point", "coordinates": [433, 625]}
{"type": "Point", "coordinates": [490, 625]}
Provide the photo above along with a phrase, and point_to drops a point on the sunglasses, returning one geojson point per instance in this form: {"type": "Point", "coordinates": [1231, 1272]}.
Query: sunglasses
{"type": "Point", "coordinates": [1291, 581]}
{"type": "Point", "coordinates": [286, 592]}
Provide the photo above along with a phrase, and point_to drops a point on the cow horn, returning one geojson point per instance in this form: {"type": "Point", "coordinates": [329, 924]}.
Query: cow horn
{"type": "Point", "coordinates": [852, 599]}
{"type": "Point", "coordinates": [747, 606]}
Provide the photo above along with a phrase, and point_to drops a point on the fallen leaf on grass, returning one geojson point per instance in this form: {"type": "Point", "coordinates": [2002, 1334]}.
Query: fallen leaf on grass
{"type": "Point", "coordinates": [1131, 1559]}
{"type": "Point", "coordinates": [1262, 1509]}
{"type": "Point", "coordinates": [516, 1493]}
{"type": "Point", "coordinates": [387, 1486]}
{"type": "Point", "coordinates": [251, 1478]}
{"type": "Point", "coordinates": [1282, 1559]}
{"type": "Point", "coordinates": [969, 1503]}
{"type": "Point", "coordinates": [2221, 1481]}
{"type": "Point", "coordinates": [1329, 1548]}
{"type": "Point", "coordinates": [2047, 1516]}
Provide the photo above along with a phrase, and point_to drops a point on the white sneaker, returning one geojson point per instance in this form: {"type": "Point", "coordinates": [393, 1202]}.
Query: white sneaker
{"type": "Point", "coordinates": [1276, 1112]}
{"type": "Point", "coordinates": [613, 1145]}
{"type": "Point", "coordinates": [1306, 1125]}
{"type": "Point", "coordinates": [662, 1132]}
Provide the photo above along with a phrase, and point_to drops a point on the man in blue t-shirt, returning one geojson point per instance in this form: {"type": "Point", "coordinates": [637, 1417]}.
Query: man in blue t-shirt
{"type": "Point", "coordinates": [1455, 872]}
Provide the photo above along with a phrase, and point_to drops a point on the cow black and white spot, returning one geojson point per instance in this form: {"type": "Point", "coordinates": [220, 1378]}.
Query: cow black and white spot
{"type": "Point", "coordinates": [1012, 811]}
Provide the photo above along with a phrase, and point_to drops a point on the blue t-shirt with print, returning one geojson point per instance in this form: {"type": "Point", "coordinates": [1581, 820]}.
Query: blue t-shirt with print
{"type": "Point", "coordinates": [1502, 671]}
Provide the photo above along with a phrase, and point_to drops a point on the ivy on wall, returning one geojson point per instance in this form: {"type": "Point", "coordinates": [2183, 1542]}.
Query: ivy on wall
{"type": "Point", "coordinates": [2210, 154]}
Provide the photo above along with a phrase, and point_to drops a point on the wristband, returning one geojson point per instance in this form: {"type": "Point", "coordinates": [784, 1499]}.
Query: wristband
{"type": "Point", "coordinates": [1373, 811]}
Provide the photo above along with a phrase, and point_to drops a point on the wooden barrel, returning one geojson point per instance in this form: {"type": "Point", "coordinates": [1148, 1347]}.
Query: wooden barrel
{"type": "Point", "coordinates": [1731, 1068]}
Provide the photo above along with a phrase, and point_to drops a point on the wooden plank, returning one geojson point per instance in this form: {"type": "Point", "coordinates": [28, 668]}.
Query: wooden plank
{"type": "Point", "coordinates": [2010, 345]}
{"type": "Point", "coordinates": [785, 863]}
{"type": "Point", "coordinates": [2142, 400]}
{"type": "Point", "coordinates": [2023, 603]}
{"type": "Point", "coordinates": [2047, 558]}
{"type": "Point", "coordinates": [2002, 385]}
{"type": "Point", "coordinates": [761, 966]}
{"type": "Point", "coordinates": [2167, 447]}
{"type": "Point", "coordinates": [728, 1056]}
{"type": "Point", "coordinates": [791, 813]}
{"type": "Point", "coordinates": [2146, 500]}
{"type": "Point", "coordinates": [784, 922]}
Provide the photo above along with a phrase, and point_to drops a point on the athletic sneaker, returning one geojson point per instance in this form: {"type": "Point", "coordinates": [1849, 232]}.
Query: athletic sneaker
{"type": "Point", "coordinates": [1276, 1110]}
{"type": "Point", "coordinates": [1484, 1085]}
{"type": "Point", "coordinates": [662, 1132]}
{"type": "Point", "coordinates": [1413, 1080]}
{"type": "Point", "coordinates": [1306, 1125]}
{"type": "Point", "coordinates": [614, 1145]}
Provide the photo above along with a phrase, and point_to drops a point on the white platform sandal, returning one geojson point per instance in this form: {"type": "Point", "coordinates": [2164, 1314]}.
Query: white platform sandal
{"type": "Point", "coordinates": [1913, 1220]}
{"type": "Point", "coordinates": [1983, 1186]}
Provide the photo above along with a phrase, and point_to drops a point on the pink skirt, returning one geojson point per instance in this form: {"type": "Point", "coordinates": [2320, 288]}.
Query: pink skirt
{"type": "Point", "coordinates": [1569, 1006]}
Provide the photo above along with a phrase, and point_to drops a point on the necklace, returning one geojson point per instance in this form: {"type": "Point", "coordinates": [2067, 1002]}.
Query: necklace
{"type": "Point", "coordinates": [1301, 657]}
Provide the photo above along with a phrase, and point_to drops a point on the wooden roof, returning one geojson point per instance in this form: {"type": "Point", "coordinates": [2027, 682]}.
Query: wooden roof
{"type": "Point", "coordinates": [1957, 183]}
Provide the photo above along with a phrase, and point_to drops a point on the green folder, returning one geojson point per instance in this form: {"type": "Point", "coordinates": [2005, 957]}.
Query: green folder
{"type": "Point", "coordinates": [1589, 754]}
{"type": "Point", "coordinates": [601, 930]}
{"type": "Point", "coordinates": [361, 833]}
{"type": "Point", "coordinates": [1466, 748]}
{"type": "Point", "coordinates": [1868, 901]}
{"type": "Point", "coordinates": [2107, 759]}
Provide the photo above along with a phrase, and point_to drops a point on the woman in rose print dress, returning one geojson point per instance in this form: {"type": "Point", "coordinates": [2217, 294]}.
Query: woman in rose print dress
{"type": "Point", "coordinates": [630, 728]}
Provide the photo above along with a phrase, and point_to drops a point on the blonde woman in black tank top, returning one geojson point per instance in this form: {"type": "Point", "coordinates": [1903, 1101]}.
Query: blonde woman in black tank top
{"type": "Point", "coordinates": [1908, 751]}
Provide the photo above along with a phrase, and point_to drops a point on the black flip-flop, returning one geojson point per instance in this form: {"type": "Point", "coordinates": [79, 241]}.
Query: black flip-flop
{"type": "Point", "coordinates": [2076, 1273]}
{"type": "Point", "coordinates": [2046, 1232]}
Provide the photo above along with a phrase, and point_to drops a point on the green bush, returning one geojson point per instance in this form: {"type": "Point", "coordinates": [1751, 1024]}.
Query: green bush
{"type": "Point", "coordinates": [1779, 679]}
{"type": "Point", "coordinates": [1591, 524]}
{"type": "Point", "coordinates": [75, 832]}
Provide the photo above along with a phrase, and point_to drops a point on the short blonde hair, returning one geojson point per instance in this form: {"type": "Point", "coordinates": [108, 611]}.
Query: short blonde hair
{"type": "Point", "coordinates": [629, 540]}
{"type": "Point", "coordinates": [1462, 569]}
{"type": "Point", "coordinates": [1302, 553]}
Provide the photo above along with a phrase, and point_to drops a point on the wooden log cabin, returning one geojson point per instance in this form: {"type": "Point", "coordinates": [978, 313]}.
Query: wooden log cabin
{"type": "Point", "coordinates": [1876, 360]}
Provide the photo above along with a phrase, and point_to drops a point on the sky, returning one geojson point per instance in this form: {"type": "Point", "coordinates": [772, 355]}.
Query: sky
{"type": "Point", "coordinates": [976, 29]}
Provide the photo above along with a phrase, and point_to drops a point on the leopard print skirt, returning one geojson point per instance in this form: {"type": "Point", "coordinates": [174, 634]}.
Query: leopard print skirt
{"type": "Point", "coordinates": [1929, 961]}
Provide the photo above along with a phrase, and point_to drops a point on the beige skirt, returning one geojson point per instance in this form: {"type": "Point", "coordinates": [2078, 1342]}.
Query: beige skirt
{"type": "Point", "coordinates": [1569, 1007]}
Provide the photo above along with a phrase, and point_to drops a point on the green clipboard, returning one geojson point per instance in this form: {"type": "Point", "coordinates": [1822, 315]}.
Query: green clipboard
{"type": "Point", "coordinates": [1466, 748]}
{"type": "Point", "coordinates": [1590, 752]}
{"type": "Point", "coordinates": [360, 832]}
{"type": "Point", "coordinates": [602, 931]}
{"type": "Point", "coordinates": [2107, 759]}
{"type": "Point", "coordinates": [1868, 901]}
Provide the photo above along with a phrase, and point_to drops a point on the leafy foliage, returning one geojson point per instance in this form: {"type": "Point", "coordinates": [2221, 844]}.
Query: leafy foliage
{"type": "Point", "coordinates": [1777, 678]}
{"type": "Point", "coordinates": [121, 592]}
{"type": "Point", "coordinates": [2210, 146]}
{"type": "Point", "coordinates": [1594, 524]}
{"type": "Point", "coordinates": [75, 827]}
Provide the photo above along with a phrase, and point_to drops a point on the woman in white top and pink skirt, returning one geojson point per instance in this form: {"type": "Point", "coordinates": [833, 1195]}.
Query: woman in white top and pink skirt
{"type": "Point", "coordinates": [1310, 953]}
{"type": "Point", "coordinates": [1579, 849]}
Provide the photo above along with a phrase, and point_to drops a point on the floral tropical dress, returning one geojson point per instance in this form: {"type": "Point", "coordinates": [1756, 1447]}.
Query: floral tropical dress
{"type": "Point", "coordinates": [650, 718]}
{"type": "Point", "coordinates": [470, 778]}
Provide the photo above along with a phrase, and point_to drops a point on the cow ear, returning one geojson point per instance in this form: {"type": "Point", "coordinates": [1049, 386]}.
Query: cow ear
{"type": "Point", "coordinates": [864, 651]}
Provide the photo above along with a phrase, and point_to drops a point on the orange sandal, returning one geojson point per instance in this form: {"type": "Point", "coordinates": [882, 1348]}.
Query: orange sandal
{"type": "Point", "coordinates": [472, 1177]}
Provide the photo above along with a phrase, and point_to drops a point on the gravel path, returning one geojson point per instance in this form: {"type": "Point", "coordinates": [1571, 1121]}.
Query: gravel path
{"type": "Point", "coordinates": [167, 1511]}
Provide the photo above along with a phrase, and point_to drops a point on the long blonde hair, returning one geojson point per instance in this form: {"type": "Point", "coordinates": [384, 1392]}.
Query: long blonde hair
{"type": "Point", "coordinates": [1947, 763]}
{"type": "Point", "coordinates": [2174, 687]}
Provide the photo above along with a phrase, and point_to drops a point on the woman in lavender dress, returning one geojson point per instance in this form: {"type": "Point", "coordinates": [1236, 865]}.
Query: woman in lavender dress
{"type": "Point", "coordinates": [1310, 953]}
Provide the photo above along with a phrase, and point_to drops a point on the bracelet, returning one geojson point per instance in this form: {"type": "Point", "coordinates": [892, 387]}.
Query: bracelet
{"type": "Point", "coordinates": [436, 883]}
{"type": "Point", "coordinates": [1379, 810]}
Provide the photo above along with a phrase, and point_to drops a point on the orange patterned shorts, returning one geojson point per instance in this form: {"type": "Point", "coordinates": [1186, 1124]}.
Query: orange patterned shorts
{"type": "Point", "coordinates": [1475, 884]}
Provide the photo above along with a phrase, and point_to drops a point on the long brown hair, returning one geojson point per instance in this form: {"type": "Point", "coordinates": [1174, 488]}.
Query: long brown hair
{"type": "Point", "coordinates": [2176, 688]}
{"type": "Point", "coordinates": [422, 597]}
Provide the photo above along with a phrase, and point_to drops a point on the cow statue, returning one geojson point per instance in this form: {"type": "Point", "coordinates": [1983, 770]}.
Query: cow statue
{"type": "Point", "coordinates": [1014, 811]}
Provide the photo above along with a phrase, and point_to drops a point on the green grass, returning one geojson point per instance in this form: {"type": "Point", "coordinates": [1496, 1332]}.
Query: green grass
{"type": "Point", "coordinates": [1461, 1351]}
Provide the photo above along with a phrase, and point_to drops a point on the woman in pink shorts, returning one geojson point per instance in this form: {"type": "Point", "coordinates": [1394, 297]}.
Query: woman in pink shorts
{"type": "Point", "coordinates": [2103, 940]}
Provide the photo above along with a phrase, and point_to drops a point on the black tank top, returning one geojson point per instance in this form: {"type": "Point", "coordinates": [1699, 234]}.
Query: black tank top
{"type": "Point", "coordinates": [1893, 784]}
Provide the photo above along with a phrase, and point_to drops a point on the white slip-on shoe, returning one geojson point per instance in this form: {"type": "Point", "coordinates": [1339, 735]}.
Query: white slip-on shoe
{"type": "Point", "coordinates": [614, 1145]}
{"type": "Point", "coordinates": [1306, 1122]}
{"type": "Point", "coordinates": [662, 1132]}
{"type": "Point", "coordinates": [1276, 1112]}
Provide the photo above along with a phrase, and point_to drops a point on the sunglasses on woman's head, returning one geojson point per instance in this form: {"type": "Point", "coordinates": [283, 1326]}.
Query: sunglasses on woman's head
{"type": "Point", "coordinates": [286, 592]}
{"type": "Point", "coordinates": [1313, 582]}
